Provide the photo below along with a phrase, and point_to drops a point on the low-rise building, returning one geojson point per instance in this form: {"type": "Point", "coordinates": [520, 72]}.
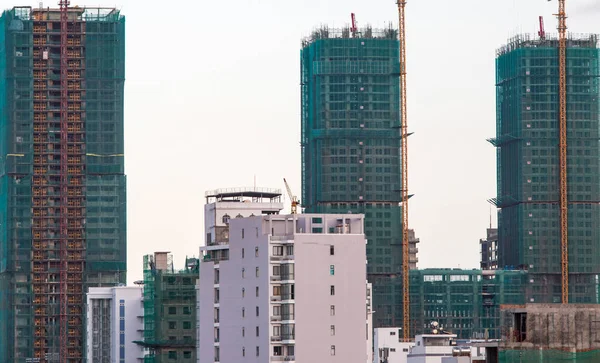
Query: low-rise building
{"type": "Point", "coordinates": [389, 347]}
{"type": "Point", "coordinates": [113, 324]}
{"type": "Point", "coordinates": [169, 295]}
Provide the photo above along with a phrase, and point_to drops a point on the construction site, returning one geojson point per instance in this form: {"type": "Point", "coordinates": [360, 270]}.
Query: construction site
{"type": "Point", "coordinates": [62, 175]}
{"type": "Point", "coordinates": [169, 299]}
{"type": "Point", "coordinates": [350, 142]}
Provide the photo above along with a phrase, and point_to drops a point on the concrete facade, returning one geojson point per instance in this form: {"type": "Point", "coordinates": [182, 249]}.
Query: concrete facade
{"type": "Point", "coordinates": [114, 320]}
{"type": "Point", "coordinates": [291, 287]}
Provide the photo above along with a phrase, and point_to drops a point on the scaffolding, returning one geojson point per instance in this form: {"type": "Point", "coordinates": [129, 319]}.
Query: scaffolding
{"type": "Point", "coordinates": [528, 172]}
{"type": "Point", "coordinates": [350, 144]}
{"type": "Point", "coordinates": [169, 309]}
{"type": "Point", "coordinates": [63, 196]}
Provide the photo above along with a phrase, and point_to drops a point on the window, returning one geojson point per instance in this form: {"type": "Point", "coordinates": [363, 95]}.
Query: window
{"type": "Point", "coordinates": [332, 290]}
{"type": "Point", "coordinates": [243, 292]}
{"type": "Point", "coordinates": [243, 312]}
{"type": "Point", "coordinates": [277, 351]}
{"type": "Point", "coordinates": [392, 333]}
{"type": "Point", "coordinates": [242, 233]}
{"type": "Point", "coordinates": [257, 351]}
{"type": "Point", "coordinates": [243, 332]}
{"type": "Point", "coordinates": [276, 270]}
{"type": "Point", "coordinates": [276, 310]}
{"type": "Point", "coordinates": [243, 272]}
{"type": "Point", "coordinates": [289, 250]}
{"type": "Point", "coordinates": [255, 251]}
{"type": "Point", "coordinates": [239, 216]}
{"type": "Point", "coordinates": [257, 331]}
{"type": "Point", "coordinates": [331, 270]}
{"type": "Point", "coordinates": [332, 330]}
{"type": "Point", "coordinates": [332, 350]}
{"type": "Point", "coordinates": [187, 310]}
{"type": "Point", "coordinates": [276, 331]}
{"type": "Point", "coordinates": [172, 325]}
{"type": "Point", "coordinates": [173, 354]}
{"type": "Point", "coordinates": [187, 354]}
{"type": "Point", "coordinates": [257, 271]}
{"type": "Point", "coordinates": [172, 310]}
{"type": "Point", "coordinates": [277, 250]}
{"type": "Point", "coordinates": [226, 218]}
{"type": "Point", "coordinates": [276, 290]}
{"type": "Point", "coordinates": [243, 351]}
{"type": "Point", "coordinates": [242, 253]}
{"type": "Point", "coordinates": [187, 325]}
{"type": "Point", "coordinates": [257, 291]}
{"type": "Point", "coordinates": [257, 311]}
{"type": "Point", "coordinates": [332, 310]}
{"type": "Point", "coordinates": [331, 250]}
{"type": "Point", "coordinates": [392, 349]}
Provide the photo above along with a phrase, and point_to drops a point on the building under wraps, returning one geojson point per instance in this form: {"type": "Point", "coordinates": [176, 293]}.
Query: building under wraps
{"type": "Point", "coordinates": [527, 136]}
{"type": "Point", "coordinates": [169, 298]}
{"type": "Point", "coordinates": [62, 181]}
{"type": "Point", "coordinates": [351, 145]}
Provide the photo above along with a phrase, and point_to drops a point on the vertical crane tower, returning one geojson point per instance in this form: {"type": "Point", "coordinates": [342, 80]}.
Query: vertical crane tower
{"type": "Point", "coordinates": [404, 174]}
{"type": "Point", "coordinates": [562, 90]}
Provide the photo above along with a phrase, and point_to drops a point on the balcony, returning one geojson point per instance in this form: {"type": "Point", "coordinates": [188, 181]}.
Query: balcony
{"type": "Point", "coordinates": [276, 318]}
{"type": "Point", "coordinates": [287, 316]}
{"type": "Point", "coordinates": [281, 358]}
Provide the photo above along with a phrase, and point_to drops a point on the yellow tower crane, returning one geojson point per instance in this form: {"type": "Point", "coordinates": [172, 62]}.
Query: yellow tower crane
{"type": "Point", "coordinates": [404, 171]}
{"type": "Point", "coordinates": [562, 96]}
{"type": "Point", "coordinates": [293, 198]}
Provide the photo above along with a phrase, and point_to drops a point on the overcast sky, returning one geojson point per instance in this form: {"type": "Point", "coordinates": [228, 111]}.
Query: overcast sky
{"type": "Point", "coordinates": [212, 99]}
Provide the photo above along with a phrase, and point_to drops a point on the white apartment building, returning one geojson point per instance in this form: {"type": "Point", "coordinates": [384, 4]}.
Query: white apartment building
{"type": "Point", "coordinates": [285, 288]}
{"type": "Point", "coordinates": [114, 320]}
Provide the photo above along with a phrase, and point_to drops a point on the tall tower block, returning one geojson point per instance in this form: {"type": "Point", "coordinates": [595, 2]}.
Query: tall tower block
{"type": "Point", "coordinates": [527, 140]}
{"type": "Point", "coordinates": [62, 177]}
{"type": "Point", "coordinates": [351, 145]}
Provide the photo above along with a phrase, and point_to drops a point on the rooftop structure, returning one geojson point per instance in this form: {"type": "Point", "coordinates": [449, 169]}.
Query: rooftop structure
{"type": "Point", "coordinates": [62, 200]}
{"type": "Point", "coordinates": [489, 250]}
{"type": "Point", "coordinates": [527, 134]}
{"type": "Point", "coordinates": [285, 288]}
{"type": "Point", "coordinates": [350, 145]}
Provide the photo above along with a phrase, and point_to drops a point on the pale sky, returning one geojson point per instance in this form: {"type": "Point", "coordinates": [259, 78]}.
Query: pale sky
{"type": "Point", "coordinates": [212, 99]}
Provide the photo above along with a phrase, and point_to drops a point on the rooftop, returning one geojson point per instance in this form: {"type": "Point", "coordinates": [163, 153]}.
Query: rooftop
{"type": "Point", "coordinates": [238, 193]}
{"type": "Point", "coordinates": [550, 41]}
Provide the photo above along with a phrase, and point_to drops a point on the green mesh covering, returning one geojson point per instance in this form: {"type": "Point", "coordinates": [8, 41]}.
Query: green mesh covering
{"type": "Point", "coordinates": [351, 142]}
{"type": "Point", "coordinates": [547, 356]}
{"type": "Point", "coordinates": [105, 180]}
{"type": "Point", "coordinates": [528, 172]}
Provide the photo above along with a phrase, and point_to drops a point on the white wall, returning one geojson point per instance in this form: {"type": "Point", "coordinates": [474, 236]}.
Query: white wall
{"type": "Point", "coordinates": [314, 299]}
{"type": "Point", "coordinates": [390, 338]}
{"type": "Point", "coordinates": [132, 296]}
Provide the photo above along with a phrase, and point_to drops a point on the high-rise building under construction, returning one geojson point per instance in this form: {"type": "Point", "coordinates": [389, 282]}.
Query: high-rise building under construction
{"type": "Point", "coordinates": [62, 181]}
{"type": "Point", "coordinates": [351, 145]}
{"type": "Point", "coordinates": [527, 140]}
